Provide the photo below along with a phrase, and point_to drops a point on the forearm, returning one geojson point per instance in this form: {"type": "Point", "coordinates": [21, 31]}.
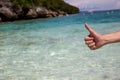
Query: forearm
{"type": "Point", "coordinates": [112, 37]}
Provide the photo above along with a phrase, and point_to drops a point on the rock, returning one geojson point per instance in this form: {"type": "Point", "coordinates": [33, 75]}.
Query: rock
{"type": "Point", "coordinates": [31, 14]}
{"type": "Point", "coordinates": [42, 12]}
{"type": "Point", "coordinates": [6, 3]}
{"type": "Point", "coordinates": [62, 13]}
{"type": "Point", "coordinates": [6, 14]}
{"type": "Point", "coordinates": [17, 9]}
{"type": "Point", "coordinates": [0, 19]}
{"type": "Point", "coordinates": [5, 0]}
{"type": "Point", "coordinates": [52, 13]}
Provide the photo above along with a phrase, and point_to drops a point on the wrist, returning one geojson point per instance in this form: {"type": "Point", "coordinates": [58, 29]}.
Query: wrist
{"type": "Point", "coordinates": [106, 39]}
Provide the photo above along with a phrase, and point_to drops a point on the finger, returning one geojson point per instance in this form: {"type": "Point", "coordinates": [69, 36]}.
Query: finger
{"type": "Point", "coordinates": [88, 28]}
{"type": "Point", "coordinates": [89, 42]}
{"type": "Point", "coordinates": [91, 45]}
{"type": "Point", "coordinates": [88, 38]}
{"type": "Point", "coordinates": [93, 32]}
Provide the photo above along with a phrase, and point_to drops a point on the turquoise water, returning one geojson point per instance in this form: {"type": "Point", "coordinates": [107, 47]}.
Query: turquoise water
{"type": "Point", "coordinates": [54, 49]}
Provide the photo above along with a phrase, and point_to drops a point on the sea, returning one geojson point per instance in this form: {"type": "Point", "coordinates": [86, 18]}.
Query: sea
{"type": "Point", "coordinates": [54, 48]}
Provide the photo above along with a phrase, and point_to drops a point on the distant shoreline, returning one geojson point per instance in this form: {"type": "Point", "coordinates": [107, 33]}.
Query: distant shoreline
{"type": "Point", "coordinates": [114, 10]}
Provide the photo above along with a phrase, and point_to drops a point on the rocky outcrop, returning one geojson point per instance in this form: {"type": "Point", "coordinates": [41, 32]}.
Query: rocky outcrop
{"type": "Point", "coordinates": [42, 12]}
{"type": "Point", "coordinates": [31, 14]}
{"type": "Point", "coordinates": [6, 14]}
{"type": "Point", "coordinates": [11, 12]}
{"type": "Point", "coordinates": [52, 13]}
{"type": "Point", "coordinates": [0, 19]}
{"type": "Point", "coordinates": [62, 13]}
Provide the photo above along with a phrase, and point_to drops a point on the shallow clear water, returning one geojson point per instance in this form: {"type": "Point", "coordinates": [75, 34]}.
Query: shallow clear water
{"type": "Point", "coordinates": [54, 49]}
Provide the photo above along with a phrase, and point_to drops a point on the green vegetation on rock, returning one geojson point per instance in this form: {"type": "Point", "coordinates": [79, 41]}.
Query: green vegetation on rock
{"type": "Point", "coordinates": [54, 5]}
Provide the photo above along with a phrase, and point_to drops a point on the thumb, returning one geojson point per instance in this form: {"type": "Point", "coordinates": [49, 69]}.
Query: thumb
{"type": "Point", "coordinates": [92, 32]}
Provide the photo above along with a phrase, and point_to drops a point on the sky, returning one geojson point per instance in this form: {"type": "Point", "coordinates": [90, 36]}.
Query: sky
{"type": "Point", "coordinates": [85, 5]}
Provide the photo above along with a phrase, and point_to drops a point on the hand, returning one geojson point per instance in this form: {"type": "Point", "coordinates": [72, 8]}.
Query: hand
{"type": "Point", "coordinates": [94, 40]}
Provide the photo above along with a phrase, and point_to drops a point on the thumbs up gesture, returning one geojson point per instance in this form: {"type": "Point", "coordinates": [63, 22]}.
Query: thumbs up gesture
{"type": "Point", "coordinates": [94, 40]}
